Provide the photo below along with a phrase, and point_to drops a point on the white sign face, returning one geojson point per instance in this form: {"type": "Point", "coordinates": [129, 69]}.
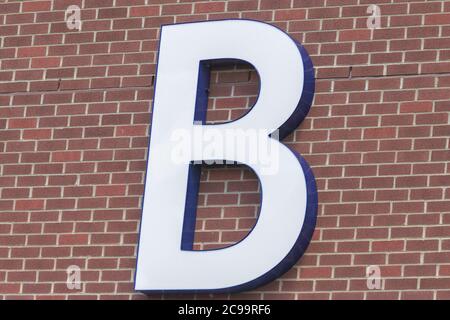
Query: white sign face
{"type": "Point", "coordinates": [166, 261]}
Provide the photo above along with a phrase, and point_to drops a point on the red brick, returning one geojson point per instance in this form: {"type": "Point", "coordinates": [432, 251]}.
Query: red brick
{"type": "Point", "coordinates": [46, 62]}
{"type": "Point", "coordinates": [35, 6]}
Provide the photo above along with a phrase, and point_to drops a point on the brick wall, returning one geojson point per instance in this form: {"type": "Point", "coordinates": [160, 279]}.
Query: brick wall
{"type": "Point", "coordinates": [74, 122]}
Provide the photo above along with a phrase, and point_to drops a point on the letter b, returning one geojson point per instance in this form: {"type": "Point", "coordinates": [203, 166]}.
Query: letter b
{"type": "Point", "coordinates": [166, 261]}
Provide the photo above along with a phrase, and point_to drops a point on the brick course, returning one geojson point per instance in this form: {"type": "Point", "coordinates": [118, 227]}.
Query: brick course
{"type": "Point", "coordinates": [74, 122]}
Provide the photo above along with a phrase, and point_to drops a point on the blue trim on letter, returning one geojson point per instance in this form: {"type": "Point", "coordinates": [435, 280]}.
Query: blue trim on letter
{"type": "Point", "coordinates": [190, 209]}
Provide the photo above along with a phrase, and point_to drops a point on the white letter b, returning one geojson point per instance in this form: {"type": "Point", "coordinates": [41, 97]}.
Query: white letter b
{"type": "Point", "coordinates": [166, 261]}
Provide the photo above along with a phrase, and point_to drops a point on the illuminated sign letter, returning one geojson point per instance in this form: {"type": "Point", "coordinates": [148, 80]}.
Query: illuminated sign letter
{"type": "Point", "coordinates": [166, 261]}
